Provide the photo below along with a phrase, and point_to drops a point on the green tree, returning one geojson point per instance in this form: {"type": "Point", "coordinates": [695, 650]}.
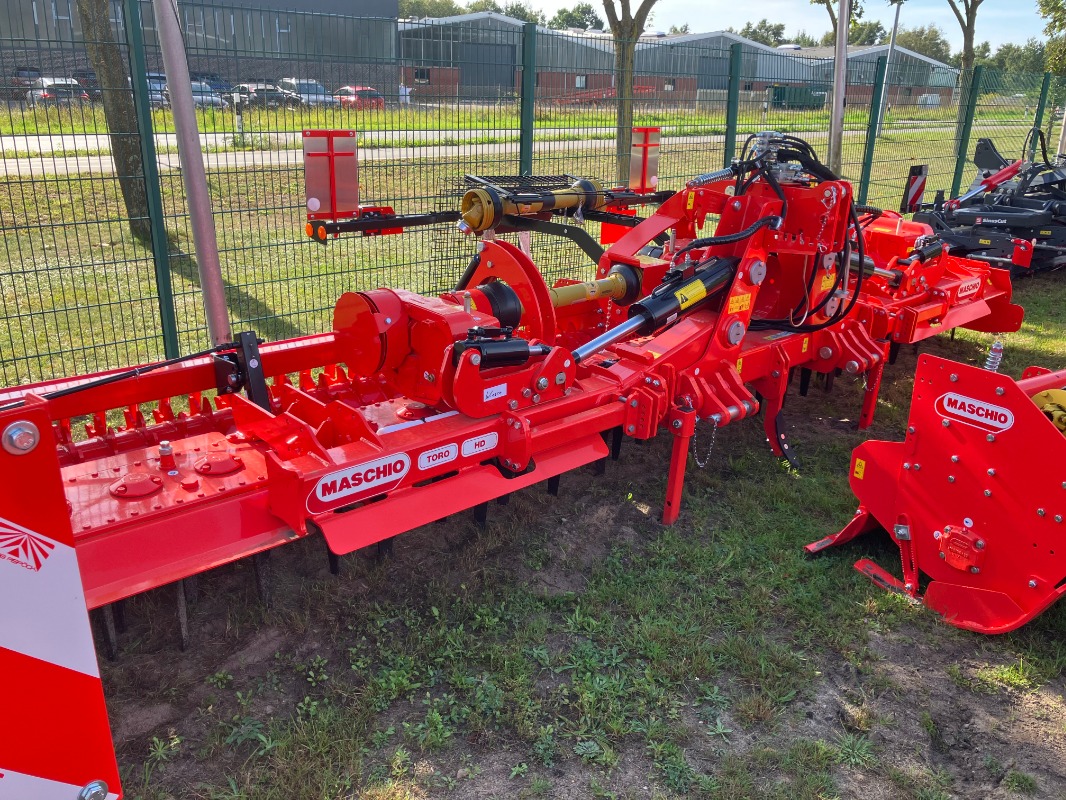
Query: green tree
{"type": "Point", "coordinates": [804, 39]}
{"type": "Point", "coordinates": [680, 31]}
{"type": "Point", "coordinates": [928, 40]}
{"type": "Point", "coordinates": [866, 33]}
{"type": "Point", "coordinates": [1054, 13]}
{"type": "Point", "coordinates": [966, 13]}
{"type": "Point", "coordinates": [831, 7]}
{"type": "Point", "coordinates": [580, 16]}
{"type": "Point", "coordinates": [524, 12]}
{"type": "Point", "coordinates": [626, 28]}
{"type": "Point", "coordinates": [764, 32]}
{"type": "Point", "coordinates": [429, 8]}
{"type": "Point", "coordinates": [1029, 57]}
{"type": "Point", "coordinates": [484, 5]}
{"type": "Point", "coordinates": [112, 72]}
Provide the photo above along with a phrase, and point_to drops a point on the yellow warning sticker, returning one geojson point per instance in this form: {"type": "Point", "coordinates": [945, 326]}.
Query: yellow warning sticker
{"type": "Point", "coordinates": [860, 469]}
{"type": "Point", "coordinates": [739, 302]}
{"type": "Point", "coordinates": [1045, 233]}
{"type": "Point", "coordinates": [828, 281]}
{"type": "Point", "coordinates": [806, 343]}
{"type": "Point", "coordinates": [691, 200]}
{"type": "Point", "coordinates": [984, 241]}
{"type": "Point", "coordinates": [690, 294]}
{"type": "Point", "coordinates": [740, 365]}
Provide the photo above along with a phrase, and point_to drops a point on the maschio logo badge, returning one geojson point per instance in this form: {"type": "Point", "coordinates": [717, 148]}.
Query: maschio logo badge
{"type": "Point", "coordinates": [353, 483]}
{"type": "Point", "coordinates": [977, 413]}
{"type": "Point", "coordinates": [23, 548]}
{"type": "Point", "coordinates": [969, 288]}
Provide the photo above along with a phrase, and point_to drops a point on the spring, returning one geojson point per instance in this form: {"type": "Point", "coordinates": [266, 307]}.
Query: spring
{"type": "Point", "coordinates": [995, 356]}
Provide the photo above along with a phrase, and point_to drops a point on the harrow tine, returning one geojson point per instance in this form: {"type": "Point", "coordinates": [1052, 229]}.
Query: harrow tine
{"type": "Point", "coordinates": [481, 515]}
{"type": "Point", "coordinates": [599, 467]}
{"type": "Point", "coordinates": [262, 577]}
{"type": "Point", "coordinates": [805, 380]}
{"type": "Point", "coordinates": [504, 499]}
{"type": "Point", "coordinates": [333, 558]}
{"type": "Point", "coordinates": [105, 619]}
{"type": "Point", "coordinates": [782, 441]}
{"type": "Point", "coordinates": [553, 485]}
{"type": "Point", "coordinates": [893, 349]}
{"type": "Point", "coordinates": [829, 378]}
{"type": "Point", "coordinates": [616, 443]}
{"type": "Point", "coordinates": [192, 588]}
{"type": "Point", "coordinates": [385, 548]}
{"type": "Point", "coordinates": [183, 615]}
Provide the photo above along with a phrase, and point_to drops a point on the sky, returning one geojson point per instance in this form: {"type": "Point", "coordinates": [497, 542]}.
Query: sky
{"type": "Point", "coordinates": [998, 21]}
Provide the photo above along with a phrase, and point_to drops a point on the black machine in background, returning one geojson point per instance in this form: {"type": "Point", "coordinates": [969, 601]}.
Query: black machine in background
{"type": "Point", "coordinates": [1013, 215]}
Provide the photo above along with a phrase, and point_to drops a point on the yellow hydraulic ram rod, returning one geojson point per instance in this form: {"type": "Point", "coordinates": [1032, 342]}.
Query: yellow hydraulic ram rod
{"type": "Point", "coordinates": [485, 207]}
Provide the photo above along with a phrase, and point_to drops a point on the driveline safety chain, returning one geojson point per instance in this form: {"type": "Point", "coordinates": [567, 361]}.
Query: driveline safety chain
{"type": "Point", "coordinates": [702, 463]}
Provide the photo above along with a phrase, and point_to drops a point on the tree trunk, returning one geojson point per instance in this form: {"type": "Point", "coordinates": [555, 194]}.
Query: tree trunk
{"type": "Point", "coordinates": [624, 57]}
{"type": "Point", "coordinates": [112, 72]}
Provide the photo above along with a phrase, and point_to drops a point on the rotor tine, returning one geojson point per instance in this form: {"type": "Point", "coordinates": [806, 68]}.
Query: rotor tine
{"type": "Point", "coordinates": [384, 548]}
{"type": "Point", "coordinates": [481, 515]}
{"type": "Point", "coordinates": [805, 380]}
{"type": "Point", "coordinates": [893, 349]}
{"type": "Point", "coordinates": [503, 499]}
{"type": "Point", "coordinates": [192, 588]}
{"type": "Point", "coordinates": [553, 485]}
{"type": "Point", "coordinates": [829, 378]}
{"type": "Point", "coordinates": [616, 443]}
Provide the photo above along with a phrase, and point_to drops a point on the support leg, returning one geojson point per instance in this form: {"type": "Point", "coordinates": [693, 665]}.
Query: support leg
{"type": "Point", "coordinates": [675, 480]}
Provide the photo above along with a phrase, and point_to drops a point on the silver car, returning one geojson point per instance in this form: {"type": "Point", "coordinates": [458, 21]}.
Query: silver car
{"type": "Point", "coordinates": [55, 91]}
{"type": "Point", "coordinates": [309, 92]}
{"type": "Point", "coordinates": [203, 96]}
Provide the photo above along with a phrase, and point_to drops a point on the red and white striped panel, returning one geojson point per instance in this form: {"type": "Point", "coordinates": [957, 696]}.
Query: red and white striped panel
{"type": "Point", "coordinates": [55, 738]}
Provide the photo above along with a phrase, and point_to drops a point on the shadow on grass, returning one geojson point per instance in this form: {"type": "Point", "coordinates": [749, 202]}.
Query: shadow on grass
{"type": "Point", "coordinates": [270, 326]}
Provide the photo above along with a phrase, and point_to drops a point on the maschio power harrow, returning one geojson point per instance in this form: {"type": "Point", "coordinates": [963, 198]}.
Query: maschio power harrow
{"type": "Point", "coordinates": [413, 408]}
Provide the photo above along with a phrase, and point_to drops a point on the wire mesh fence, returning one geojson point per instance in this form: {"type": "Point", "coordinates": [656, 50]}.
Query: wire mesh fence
{"type": "Point", "coordinates": [100, 269]}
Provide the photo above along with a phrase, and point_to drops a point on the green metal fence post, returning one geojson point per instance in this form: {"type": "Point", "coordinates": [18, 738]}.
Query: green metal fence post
{"type": "Point", "coordinates": [160, 254]}
{"type": "Point", "coordinates": [529, 93]}
{"type": "Point", "coordinates": [963, 145]}
{"type": "Point", "coordinates": [876, 104]}
{"type": "Point", "coordinates": [1041, 104]}
{"type": "Point", "coordinates": [732, 110]}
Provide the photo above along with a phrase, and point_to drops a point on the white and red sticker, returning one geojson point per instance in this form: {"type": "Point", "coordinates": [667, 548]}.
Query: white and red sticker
{"type": "Point", "coordinates": [978, 413]}
{"type": "Point", "coordinates": [437, 456]}
{"type": "Point", "coordinates": [479, 445]}
{"type": "Point", "coordinates": [355, 483]}
{"type": "Point", "coordinates": [968, 288]}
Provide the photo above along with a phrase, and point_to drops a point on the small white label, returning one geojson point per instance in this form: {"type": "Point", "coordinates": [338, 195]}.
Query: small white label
{"type": "Point", "coordinates": [480, 444]}
{"type": "Point", "coordinates": [437, 456]}
{"type": "Point", "coordinates": [969, 288]}
{"type": "Point", "coordinates": [495, 392]}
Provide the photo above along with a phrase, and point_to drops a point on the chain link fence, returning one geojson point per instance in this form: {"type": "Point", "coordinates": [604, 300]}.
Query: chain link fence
{"type": "Point", "coordinates": [99, 269]}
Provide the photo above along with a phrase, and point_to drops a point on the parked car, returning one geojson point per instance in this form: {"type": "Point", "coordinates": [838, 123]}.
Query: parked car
{"type": "Point", "coordinates": [360, 97]}
{"type": "Point", "coordinates": [309, 92]}
{"type": "Point", "coordinates": [157, 91]}
{"type": "Point", "coordinates": [55, 91]}
{"type": "Point", "coordinates": [16, 85]}
{"type": "Point", "coordinates": [203, 96]}
{"type": "Point", "coordinates": [265, 95]}
{"type": "Point", "coordinates": [218, 84]}
{"type": "Point", "coordinates": [88, 81]}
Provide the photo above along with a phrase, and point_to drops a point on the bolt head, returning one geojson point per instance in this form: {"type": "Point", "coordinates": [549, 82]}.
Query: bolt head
{"type": "Point", "coordinates": [852, 367]}
{"type": "Point", "coordinates": [1058, 518]}
{"type": "Point", "coordinates": [475, 359]}
{"type": "Point", "coordinates": [991, 471]}
{"type": "Point", "coordinates": [21, 437]}
{"type": "Point", "coordinates": [951, 478]}
{"type": "Point", "coordinates": [560, 378]}
{"type": "Point", "coordinates": [906, 465]}
{"type": "Point", "coordinates": [910, 429]}
{"type": "Point", "coordinates": [1032, 584]}
{"type": "Point", "coordinates": [946, 423]}
{"type": "Point", "coordinates": [513, 405]}
{"type": "Point", "coordinates": [542, 383]}
{"type": "Point", "coordinates": [632, 403]}
{"type": "Point", "coordinates": [988, 492]}
{"type": "Point", "coordinates": [95, 790]}
{"type": "Point", "coordinates": [1041, 511]}
{"type": "Point", "coordinates": [1000, 390]}
{"type": "Point", "coordinates": [631, 428]}
{"type": "Point", "coordinates": [990, 438]}
{"type": "Point", "coordinates": [527, 392]}
{"type": "Point", "coordinates": [979, 544]}
{"type": "Point", "coordinates": [975, 570]}
{"type": "Point", "coordinates": [953, 378]}
{"type": "Point", "coordinates": [825, 352]}
{"type": "Point", "coordinates": [954, 459]}
{"type": "Point", "coordinates": [943, 555]}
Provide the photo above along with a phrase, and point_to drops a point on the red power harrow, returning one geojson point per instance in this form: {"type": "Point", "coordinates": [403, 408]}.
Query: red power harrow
{"type": "Point", "coordinates": [413, 408]}
{"type": "Point", "coordinates": [977, 520]}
